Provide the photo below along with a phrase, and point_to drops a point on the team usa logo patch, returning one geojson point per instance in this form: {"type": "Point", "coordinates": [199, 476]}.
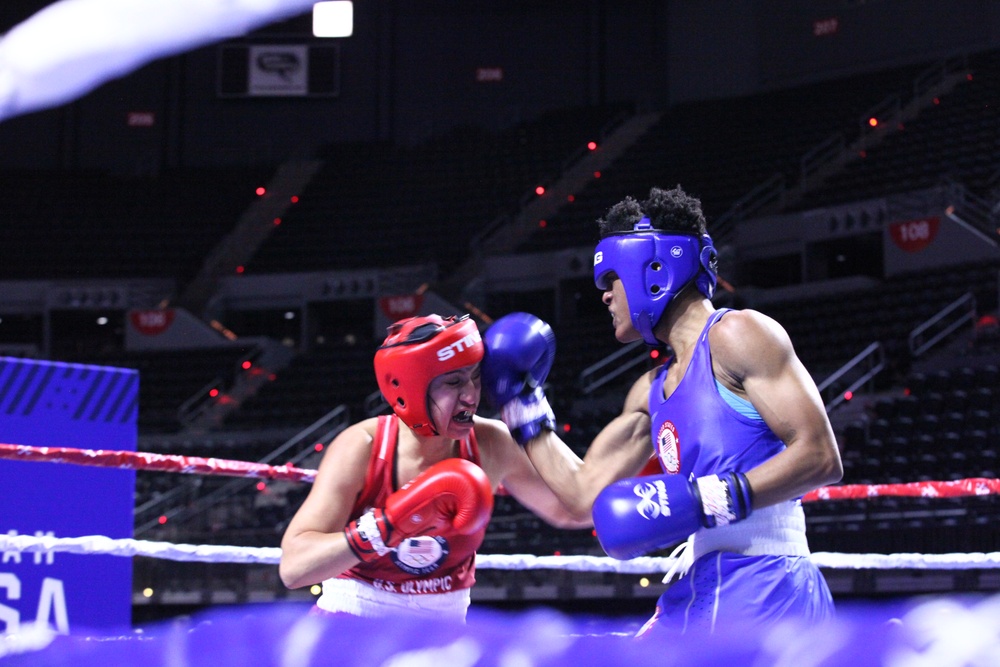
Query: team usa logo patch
{"type": "Point", "coordinates": [421, 555]}
{"type": "Point", "coordinates": [668, 444]}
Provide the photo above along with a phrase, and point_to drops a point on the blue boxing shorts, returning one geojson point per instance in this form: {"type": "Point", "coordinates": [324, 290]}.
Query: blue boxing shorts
{"type": "Point", "coordinates": [725, 591]}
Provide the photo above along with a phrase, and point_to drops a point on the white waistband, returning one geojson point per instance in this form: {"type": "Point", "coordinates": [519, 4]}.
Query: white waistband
{"type": "Point", "coordinates": [360, 599]}
{"type": "Point", "coordinates": [778, 530]}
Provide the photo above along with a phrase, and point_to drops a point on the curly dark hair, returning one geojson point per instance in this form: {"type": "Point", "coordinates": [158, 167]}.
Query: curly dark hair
{"type": "Point", "coordinates": [666, 209]}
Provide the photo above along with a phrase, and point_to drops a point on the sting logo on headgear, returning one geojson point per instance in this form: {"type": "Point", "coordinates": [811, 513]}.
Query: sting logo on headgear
{"type": "Point", "coordinates": [654, 265]}
{"type": "Point", "coordinates": [465, 343]}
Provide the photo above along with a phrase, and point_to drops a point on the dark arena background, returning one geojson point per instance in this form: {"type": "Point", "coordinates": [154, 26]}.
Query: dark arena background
{"type": "Point", "coordinates": [230, 252]}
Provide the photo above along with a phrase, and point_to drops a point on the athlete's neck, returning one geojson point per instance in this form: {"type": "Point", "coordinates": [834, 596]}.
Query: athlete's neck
{"type": "Point", "coordinates": [684, 321]}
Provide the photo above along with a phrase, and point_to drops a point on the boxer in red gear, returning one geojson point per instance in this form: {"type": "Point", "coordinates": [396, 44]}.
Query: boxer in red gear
{"type": "Point", "coordinates": [433, 457]}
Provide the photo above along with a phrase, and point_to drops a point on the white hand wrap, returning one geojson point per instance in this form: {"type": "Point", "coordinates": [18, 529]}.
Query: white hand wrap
{"type": "Point", "coordinates": [716, 500]}
{"type": "Point", "coordinates": [369, 531]}
{"type": "Point", "coordinates": [521, 411]}
{"type": "Point", "coordinates": [528, 415]}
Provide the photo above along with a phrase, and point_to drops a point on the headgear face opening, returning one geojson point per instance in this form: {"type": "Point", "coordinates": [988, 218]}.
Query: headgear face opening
{"type": "Point", "coordinates": [654, 265]}
{"type": "Point", "coordinates": [417, 350]}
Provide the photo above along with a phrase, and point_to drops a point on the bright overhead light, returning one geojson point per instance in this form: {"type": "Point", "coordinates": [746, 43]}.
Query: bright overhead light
{"type": "Point", "coordinates": [333, 19]}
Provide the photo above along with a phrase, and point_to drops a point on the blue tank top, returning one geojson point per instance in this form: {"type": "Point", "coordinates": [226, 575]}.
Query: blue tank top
{"type": "Point", "coordinates": [695, 431]}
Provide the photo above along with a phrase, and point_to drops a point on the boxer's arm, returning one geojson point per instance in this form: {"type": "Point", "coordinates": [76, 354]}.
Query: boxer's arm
{"type": "Point", "coordinates": [620, 450]}
{"type": "Point", "coordinates": [507, 462]}
{"type": "Point", "coordinates": [754, 355]}
{"type": "Point", "coordinates": [314, 546]}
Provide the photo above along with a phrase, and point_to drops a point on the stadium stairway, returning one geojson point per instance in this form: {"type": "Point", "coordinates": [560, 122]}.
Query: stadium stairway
{"type": "Point", "coordinates": [506, 232]}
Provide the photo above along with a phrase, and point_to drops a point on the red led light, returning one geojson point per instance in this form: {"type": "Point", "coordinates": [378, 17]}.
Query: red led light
{"type": "Point", "coordinates": [318, 446]}
{"type": "Point", "coordinates": [260, 191]}
{"type": "Point", "coordinates": [543, 223]}
{"type": "Point", "coordinates": [592, 145]}
{"type": "Point", "coordinates": [240, 269]}
{"type": "Point", "coordinates": [539, 191]}
{"type": "Point", "coordinates": [654, 354]}
{"type": "Point", "coordinates": [277, 221]}
{"type": "Point", "coordinates": [566, 428]}
{"type": "Point", "coordinates": [597, 174]}
{"type": "Point", "coordinates": [213, 393]}
{"type": "Point", "coordinates": [848, 395]}
{"type": "Point", "coordinates": [295, 199]}
{"type": "Point", "coordinates": [571, 198]}
{"type": "Point", "coordinates": [162, 519]}
{"type": "Point", "coordinates": [246, 365]}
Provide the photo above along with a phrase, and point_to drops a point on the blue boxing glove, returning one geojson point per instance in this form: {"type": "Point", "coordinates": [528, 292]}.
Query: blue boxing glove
{"type": "Point", "coordinates": [520, 349]}
{"type": "Point", "coordinates": [641, 514]}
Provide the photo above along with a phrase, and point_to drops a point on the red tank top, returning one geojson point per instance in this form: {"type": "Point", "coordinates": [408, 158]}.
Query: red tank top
{"type": "Point", "coordinates": [422, 564]}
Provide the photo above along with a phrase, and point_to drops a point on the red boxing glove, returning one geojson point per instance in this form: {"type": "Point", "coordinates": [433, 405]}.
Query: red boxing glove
{"type": "Point", "coordinates": [453, 496]}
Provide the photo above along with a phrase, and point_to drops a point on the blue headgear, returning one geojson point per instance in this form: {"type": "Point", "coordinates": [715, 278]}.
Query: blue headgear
{"type": "Point", "coordinates": [654, 265]}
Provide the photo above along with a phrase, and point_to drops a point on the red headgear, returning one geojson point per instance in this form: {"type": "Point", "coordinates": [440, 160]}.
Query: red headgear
{"type": "Point", "coordinates": [417, 350]}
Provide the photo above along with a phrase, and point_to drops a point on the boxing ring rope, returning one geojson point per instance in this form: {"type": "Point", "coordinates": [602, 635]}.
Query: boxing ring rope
{"type": "Point", "coordinates": [196, 465]}
{"type": "Point", "coordinates": [189, 465]}
{"type": "Point", "coordinates": [97, 544]}
{"type": "Point", "coordinates": [207, 553]}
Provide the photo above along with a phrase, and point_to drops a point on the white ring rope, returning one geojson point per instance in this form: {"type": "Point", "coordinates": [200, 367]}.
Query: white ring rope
{"type": "Point", "coordinates": [208, 553]}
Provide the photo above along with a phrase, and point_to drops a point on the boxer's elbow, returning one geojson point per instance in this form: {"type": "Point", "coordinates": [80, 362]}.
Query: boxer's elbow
{"type": "Point", "coordinates": [573, 520]}
{"type": "Point", "coordinates": [575, 514]}
{"type": "Point", "coordinates": [289, 576]}
{"type": "Point", "coordinates": [829, 468]}
{"type": "Point", "coordinates": [293, 567]}
{"type": "Point", "coordinates": [560, 514]}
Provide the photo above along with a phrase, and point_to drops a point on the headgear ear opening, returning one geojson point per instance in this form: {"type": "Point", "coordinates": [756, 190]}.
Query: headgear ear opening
{"type": "Point", "coordinates": [417, 350]}
{"type": "Point", "coordinates": [654, 266]}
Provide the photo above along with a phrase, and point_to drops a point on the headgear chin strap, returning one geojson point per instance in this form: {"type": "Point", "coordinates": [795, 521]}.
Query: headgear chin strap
{"type": "Point", "coordinates": [417, 350]}
{"type": "Point", "coordinates": [654, 265]}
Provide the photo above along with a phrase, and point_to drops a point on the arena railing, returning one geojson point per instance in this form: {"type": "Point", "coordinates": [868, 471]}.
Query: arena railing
{"type": "Point", "coordinates": [322, 431]}
{"type": "Point", "coordinates": [607, 369]}
{"type": "Point", "coordinates": [946, 321]}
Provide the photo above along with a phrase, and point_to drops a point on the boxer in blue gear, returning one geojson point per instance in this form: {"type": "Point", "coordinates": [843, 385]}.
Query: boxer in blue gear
{"type": "Point", "coordinates": [734, 419]}
{"type": "Point", "coordinates": [755, 570]}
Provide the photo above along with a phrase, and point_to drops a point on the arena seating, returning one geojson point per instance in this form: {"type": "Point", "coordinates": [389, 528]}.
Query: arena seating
{"type": "Point", "coordinates": [381, 205]}
{"type": "Point", "coordinates": [827, 332]}
{"type": "Point", "coordinates": [79, 225]}
{"type": "Point", "coordinates": [313, 384]}
{"type": "Point", "coordinates": [958, 137]}
{"type": "Point", "coordinates": [719, 150]}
